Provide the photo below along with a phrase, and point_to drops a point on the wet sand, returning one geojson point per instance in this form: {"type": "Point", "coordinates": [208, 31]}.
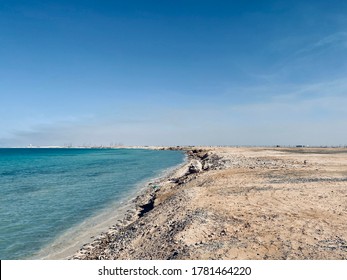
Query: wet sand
{"type": "Point", "coordinates": [238, 203]}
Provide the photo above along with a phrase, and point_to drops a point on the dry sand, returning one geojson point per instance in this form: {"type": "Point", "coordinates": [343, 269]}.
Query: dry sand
{"type": "Point", "coordinates": [238, 203]}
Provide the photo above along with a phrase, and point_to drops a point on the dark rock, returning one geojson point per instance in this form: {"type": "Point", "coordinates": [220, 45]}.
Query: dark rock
{"type": "Point", "coordinates": [147, 207]}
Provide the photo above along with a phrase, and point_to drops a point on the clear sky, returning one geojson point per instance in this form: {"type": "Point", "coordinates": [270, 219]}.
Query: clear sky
{"type": "Point", "coordinates": [173, 72]}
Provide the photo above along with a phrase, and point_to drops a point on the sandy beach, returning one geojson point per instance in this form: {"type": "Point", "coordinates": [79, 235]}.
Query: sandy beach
{"type": "Point", "coordinates": [237, 203]}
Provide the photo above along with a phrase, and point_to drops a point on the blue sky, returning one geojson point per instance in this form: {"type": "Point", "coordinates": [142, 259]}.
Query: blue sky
{"type": "Point", "coordinates": [173, 72]}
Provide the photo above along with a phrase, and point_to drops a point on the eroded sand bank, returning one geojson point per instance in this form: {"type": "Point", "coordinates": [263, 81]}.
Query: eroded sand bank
{"type": "Point", "coordinates": [238, 203]}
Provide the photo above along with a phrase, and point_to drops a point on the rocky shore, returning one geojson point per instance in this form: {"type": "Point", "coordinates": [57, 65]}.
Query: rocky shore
{"type": "Point", "coordinates": [237, 203]}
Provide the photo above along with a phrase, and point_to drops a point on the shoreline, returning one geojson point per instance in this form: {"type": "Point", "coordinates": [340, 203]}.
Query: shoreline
{"type": "Point", "coordinates": [238, 203]}
{"type": "Point", "coordinates": [136, 205]}
{"type": "Point", "coordinates": [114, 215]}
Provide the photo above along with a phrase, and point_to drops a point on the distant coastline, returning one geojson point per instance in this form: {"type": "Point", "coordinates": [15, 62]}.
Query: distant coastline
{"type": "Point", "coordinates": [169, 147]}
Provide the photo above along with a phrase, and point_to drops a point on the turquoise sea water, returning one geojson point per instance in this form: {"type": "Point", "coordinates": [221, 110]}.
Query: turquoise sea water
{"type": "Point", "coordinates": [44, 192]}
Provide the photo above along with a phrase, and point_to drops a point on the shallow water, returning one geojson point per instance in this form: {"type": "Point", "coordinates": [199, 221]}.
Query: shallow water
{"type": "Point", "coordinates": [46, 192]}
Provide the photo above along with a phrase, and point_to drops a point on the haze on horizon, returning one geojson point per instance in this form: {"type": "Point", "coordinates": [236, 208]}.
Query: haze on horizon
{"type": "Point", "coordinates": [173, 72]}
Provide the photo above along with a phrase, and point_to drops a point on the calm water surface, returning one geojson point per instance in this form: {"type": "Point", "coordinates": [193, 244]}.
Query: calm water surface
{"type": "Point", "coordinates": [44, 192]}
